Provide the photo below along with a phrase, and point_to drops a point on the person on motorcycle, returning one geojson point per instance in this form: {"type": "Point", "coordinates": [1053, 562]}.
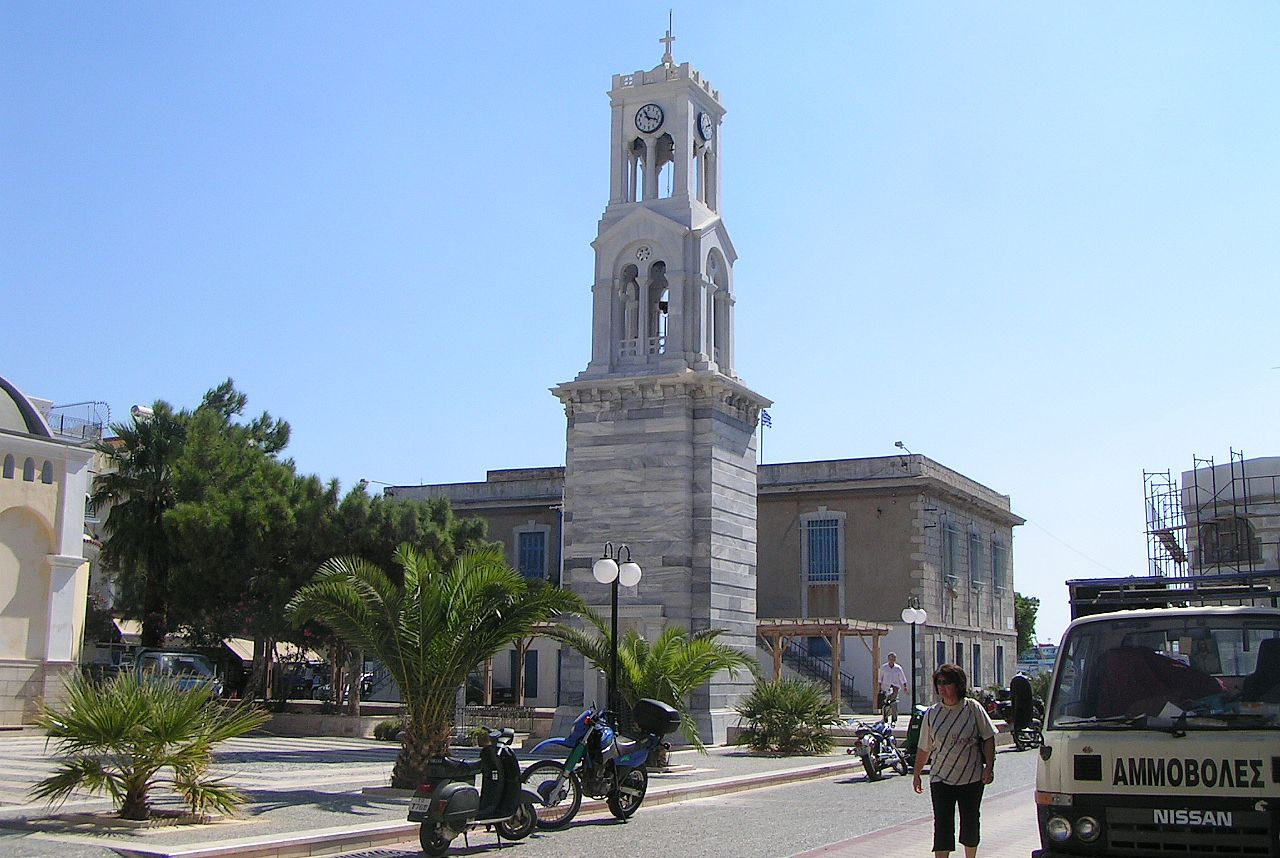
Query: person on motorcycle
{"type": "Point", "coordinates": [892, 678]}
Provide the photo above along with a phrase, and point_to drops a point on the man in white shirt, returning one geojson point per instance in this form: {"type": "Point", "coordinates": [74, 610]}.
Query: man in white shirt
{"type": "Point", "coordinates": [892, 676]}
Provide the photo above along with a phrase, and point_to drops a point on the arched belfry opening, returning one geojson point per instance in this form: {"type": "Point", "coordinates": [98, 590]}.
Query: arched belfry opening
{"type": "Point", "coordinates": [659, 308]}
{"type": "Point", "coordinates": [665, 164]}
{"type": "Point", "coordinates": [719, 331]}
{"type": "Point", "coordinates": [629, 306]}
{"type": "Point", "coordinates": [637, 155]}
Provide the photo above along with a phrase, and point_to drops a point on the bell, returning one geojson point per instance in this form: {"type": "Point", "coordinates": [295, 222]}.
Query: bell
{"type": "Point", "coordinates": [662, 306]}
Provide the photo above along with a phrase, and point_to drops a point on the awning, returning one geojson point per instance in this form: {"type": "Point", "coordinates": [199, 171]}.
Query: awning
{"type": "Point", "coordinates": [285, 651]}
{"type": "Point", "coordinates": [130, 631]}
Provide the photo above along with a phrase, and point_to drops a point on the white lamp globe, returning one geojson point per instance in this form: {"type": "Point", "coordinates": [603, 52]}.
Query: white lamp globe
{"type": "Point", "coordinates": [629, 574]}
{"type": "Point", "coordinates": [908, 614]}
{"type": "Point", "coordinates": [605, 570]}
{"type": "Point", "coordinates": [921, 616]}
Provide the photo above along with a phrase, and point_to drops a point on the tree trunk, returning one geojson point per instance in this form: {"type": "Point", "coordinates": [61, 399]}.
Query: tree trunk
{"type": "Point", "coordinates": [134, 805]}
{"type": "Point", "coordinates": [418, 744]}
{"type": "Point", "coordinates": [355, 676]}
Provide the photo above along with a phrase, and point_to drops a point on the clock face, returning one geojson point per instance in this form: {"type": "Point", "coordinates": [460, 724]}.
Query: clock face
{"type": "Point", "coordinates": [649, 118]}
{"type": "Point", "coordinates": [706, 127]}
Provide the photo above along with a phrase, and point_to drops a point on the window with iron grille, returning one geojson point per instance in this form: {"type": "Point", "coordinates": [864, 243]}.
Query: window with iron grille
{"type": "Point", "coordinates": [975, 558]}
{"type": "Point", "coordinates": [1000, 666]}
{"type": "Point", "coordinates": [999, 564]}
{"type": "Point", "coordinates": [823, 538]}
{"type": "Point", "coordinates": [950, 536]}
{"type": "Point", "coordinates": [975, 678]}
{"type": "Point", "coordinates": [532, 553]}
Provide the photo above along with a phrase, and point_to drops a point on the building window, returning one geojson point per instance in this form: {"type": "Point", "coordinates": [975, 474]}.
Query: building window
{"type": "Point", "coordinates": [1000, 666]}
{"type": "Point", "coordinates": [10, 466]}
{"type": "Point", "coordinates": [940, 654]}
{"type": "Point", "coordinates": [999, 565]}
{"type": "Point", "coordinates": [29, 470]}
{"type": "Point", "coordinates": [975, 559]}
{"type": "Point", "coordinates": [531, 550]}
{"type": "Point", "coordinates": [46, 473]}
{"type": "Point", "coordinates": [959, 662]}
{"type": "Point", "coordinates": [822, 556]}
{"type": "Point", "coordinates": [950, 536]}
{"type": "Point", "coordinates": [975, 681]}
{"type": "Point", "coordinates": [1228, 540]}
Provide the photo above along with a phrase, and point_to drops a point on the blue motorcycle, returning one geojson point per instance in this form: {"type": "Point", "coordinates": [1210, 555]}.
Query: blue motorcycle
{"type": "Point", "coordinates": [600, 763]}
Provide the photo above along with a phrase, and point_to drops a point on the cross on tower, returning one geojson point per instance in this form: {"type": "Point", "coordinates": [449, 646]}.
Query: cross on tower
{"type": "Point", "coordinates": [667, 59]}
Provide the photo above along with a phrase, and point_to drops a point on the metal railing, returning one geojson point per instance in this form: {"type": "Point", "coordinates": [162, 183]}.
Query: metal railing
{"type": "Point", "coordinates": [798, 656]}
{"type": "Point", "coordinates": [518, 718]}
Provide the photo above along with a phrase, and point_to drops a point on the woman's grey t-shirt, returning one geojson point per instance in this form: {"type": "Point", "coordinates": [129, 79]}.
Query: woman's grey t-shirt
{"type": "Point", "coordinates": [953, 736]}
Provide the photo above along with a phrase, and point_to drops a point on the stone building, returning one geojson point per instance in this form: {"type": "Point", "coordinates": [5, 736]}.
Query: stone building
{"type": "Point", "coordinates": [44, 577]}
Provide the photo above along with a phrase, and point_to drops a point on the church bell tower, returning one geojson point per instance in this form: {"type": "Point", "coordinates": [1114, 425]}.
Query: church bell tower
{"type": "Point", "coordinates": [661, 449]}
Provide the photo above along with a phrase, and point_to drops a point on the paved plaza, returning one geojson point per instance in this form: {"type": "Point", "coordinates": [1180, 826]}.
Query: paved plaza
{"type": "Point", "coordinates": [312, 796]}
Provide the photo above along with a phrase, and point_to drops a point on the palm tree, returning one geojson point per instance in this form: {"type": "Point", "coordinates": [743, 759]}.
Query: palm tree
{"type": "Point", "coordinates": [669, 669]}
{"type": "Point", "coordinates": [139, 491]}
{"type": "Point", "coordinates": [429, 631]}
{"type": "Point", "coordinates": [121, 737]}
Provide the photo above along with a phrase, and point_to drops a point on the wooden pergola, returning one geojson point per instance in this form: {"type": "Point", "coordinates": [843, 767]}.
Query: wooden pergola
{"type": "Point", "coordinates": [776, 633]}
{"type": "Point", "coordinates": [522, 650]}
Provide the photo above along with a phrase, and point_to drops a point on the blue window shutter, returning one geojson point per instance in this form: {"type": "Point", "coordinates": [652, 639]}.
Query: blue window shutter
{"type": "Point", "coordinates": [532, 554]}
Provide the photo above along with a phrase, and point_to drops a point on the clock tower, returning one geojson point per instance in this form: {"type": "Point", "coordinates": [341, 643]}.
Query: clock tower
{"type": "Point", "coordinates": [661, 450]}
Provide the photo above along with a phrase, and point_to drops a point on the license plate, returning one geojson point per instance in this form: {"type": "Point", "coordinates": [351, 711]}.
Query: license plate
{"type": "Point", "coordinates": [419, 805]}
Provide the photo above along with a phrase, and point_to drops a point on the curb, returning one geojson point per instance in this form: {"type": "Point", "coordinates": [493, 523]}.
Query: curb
{"type": "Point", "coordinates": [373, 835]}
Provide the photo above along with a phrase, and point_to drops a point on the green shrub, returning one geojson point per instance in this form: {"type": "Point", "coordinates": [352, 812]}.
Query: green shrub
{"type": "Point", "coordinates": [388, 730]}
{"type": "Point", "coordinates": [129, 735]}
{"type": "Point", "coordinates": [789, 716]}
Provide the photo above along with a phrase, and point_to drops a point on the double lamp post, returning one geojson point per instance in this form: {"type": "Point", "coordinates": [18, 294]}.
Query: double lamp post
{"type": "Point", "coordinates": [613, 570]}
{"type": "Point", "coordinates": [914, 616]}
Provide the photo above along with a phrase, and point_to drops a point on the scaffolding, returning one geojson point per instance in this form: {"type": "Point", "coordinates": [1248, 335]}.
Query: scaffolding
{"type": "Point", "coordinates": [1166, 525]}
{"type": "Point", "coordinates": [1213, 541]}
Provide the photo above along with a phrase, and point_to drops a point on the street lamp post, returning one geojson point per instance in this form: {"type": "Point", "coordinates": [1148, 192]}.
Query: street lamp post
{"type": "Point", "coordinates": [914, 616]}
{"type": "Point", "coordinates": [611, 569]}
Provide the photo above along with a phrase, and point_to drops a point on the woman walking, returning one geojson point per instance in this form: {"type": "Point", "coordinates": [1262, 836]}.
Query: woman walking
{"type": "Point", "coordinates": [959, 735]}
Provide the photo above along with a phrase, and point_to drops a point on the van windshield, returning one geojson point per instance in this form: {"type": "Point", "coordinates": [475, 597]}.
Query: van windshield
{"type": "Point", "coordinates": [1180, 672]}
{"type": "Point", "coordinates": [178, 664]}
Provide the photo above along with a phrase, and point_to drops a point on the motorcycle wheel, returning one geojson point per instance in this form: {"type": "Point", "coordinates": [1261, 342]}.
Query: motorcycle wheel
{"type": "Point", "coordinates": [520, 824]}
{"type": "Point", "coordinates": [901, 764]}
{"type": "Point", "coordinates": [433, 843]}
{"type": "Point", "coordinates": [871, 763]}
{"type": "Point", "coordinates": [625, 800]}
{"type": "Point", "coordinates": [560, 810]}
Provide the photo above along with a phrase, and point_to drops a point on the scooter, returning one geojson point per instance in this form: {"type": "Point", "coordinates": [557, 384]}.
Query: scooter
{"type": "Point", "coordinates": [601, 764]}
{"type": "Point", "coordinates": [447, 803]}
{"type": "Point", "coordinates": [1026, 714]}
{"type": "Point", "coordinates": [876, 746]}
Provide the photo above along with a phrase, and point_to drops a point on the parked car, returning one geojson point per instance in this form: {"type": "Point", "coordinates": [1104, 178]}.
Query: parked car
{"type": "Point", "coordinates": [190, 669]}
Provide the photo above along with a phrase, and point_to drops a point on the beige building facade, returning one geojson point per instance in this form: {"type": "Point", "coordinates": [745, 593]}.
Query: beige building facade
{"type": "Point", "coordinates": [44, 577]}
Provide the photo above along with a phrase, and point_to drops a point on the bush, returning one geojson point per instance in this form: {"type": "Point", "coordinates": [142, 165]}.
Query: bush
{"type": "Point", "coordinates": [388, 730]}
{"type": "Point", "coordinates": [129, 735]}
{"type": "Point", "coordinates": [789, 716]}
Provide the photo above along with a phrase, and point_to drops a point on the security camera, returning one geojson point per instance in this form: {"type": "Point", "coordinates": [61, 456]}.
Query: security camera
{"type": "Point", "coordinates": [141, 412]}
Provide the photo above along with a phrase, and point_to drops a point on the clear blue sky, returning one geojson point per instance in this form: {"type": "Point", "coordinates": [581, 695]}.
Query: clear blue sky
{"type": "Point", "coordinates": [1038, 243]}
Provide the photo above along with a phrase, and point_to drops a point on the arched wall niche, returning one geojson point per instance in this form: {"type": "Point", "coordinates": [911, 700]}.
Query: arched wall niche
{"type": "Point", "coordinates": [26, 541]}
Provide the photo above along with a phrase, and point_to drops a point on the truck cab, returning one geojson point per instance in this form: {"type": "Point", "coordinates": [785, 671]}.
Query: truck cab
{"type": "Point", "coordinates": [1162, 735]}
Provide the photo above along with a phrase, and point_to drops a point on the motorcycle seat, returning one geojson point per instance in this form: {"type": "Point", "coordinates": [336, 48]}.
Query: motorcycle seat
{"type": "Point", "coordinates": [626, 746]}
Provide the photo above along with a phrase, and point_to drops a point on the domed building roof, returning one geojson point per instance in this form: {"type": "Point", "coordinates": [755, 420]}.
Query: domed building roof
{"type": "Point", "coordinates": [18, 415]}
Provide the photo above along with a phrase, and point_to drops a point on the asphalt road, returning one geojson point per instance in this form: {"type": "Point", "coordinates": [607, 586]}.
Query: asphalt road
{"type": "Point", "coordinates": [766, 823]}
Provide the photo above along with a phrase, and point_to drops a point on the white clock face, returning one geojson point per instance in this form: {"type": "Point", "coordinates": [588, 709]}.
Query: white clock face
{"type": "Point", "coordinates": [706, 127]}
{"type": "Point", "coordinates": [649, 118]}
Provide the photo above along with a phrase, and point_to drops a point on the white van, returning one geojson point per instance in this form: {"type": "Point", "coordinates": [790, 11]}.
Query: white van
{"type": "Point", "coordinates": [1162, 736]}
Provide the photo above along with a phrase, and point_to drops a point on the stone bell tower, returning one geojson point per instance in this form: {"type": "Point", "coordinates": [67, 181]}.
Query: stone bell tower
{"type": "Point", "coordinates": [661, 431]}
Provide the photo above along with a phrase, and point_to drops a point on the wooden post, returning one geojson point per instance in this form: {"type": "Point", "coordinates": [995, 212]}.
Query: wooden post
{"type": "Point", "coordinates": [875, 667]}
{"type": "Point", "coordinates": [488, 682]}
{"type": "Point", "coordinates": [777, 657]}
{"type": "Point", "coordinates": [834, 640]}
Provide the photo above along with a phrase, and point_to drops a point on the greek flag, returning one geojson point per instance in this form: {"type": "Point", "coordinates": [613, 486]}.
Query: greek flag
{"type": "Point", "coordinates": [765, 419]}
